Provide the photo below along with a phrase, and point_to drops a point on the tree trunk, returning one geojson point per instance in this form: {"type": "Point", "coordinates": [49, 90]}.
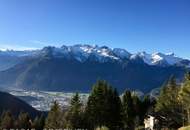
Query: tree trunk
{"type": "Point", "coordinates": [188, 116]}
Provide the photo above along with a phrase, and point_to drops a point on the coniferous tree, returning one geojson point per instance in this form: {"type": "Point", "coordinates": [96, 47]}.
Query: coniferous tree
{"type": "Point", "coordinates": [115, 107]}
{"type": "Point", "coordinates": [147, 107]}
{"type": "Point", "coordinates": [7, 120]}
{"type": "Point", "coordinates": [39, 123]}
{"type": "Point", "coordinates": [96, 104]}
{"type": "Point", "coordinates": [103, 107]}
{"type": "Point", "coordinates": [168, 105]}
{"type": "Point", "coordinates": [137, 110]}
{"type": "Point", "coordinates": [55, 117]}
{"type": "Point", "coordinates": [128, 111]}
{"type": "Point", "coordinates": [185, 97]}
{"type": "Point", "coordinates": [74, 114]}
{"type": "Point", "coordinates": [24, 121]}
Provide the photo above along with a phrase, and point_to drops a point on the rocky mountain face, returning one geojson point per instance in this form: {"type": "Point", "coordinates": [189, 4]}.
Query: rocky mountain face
{"type": "Point", "coordinates": [76, 68]}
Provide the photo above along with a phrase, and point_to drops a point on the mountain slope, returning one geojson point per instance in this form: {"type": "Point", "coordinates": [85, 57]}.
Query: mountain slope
{"type": "Point", "coordinates": [15, 105]}
{"type": "Point", "coordinates": [50, 73]}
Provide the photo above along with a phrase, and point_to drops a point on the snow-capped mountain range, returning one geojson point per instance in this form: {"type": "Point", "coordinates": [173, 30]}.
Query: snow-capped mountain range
{"type": "Point", "coordinates": [78, 67]}
{"type": "Point", "coordinates": [84, 52]}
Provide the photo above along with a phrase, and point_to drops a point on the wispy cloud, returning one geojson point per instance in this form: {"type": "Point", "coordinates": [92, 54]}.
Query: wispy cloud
{"type": "Point", "coordinates": [39, 43]}
{"type": "Point", "coordinates": [42, 43]}
{"type": "Point", "coordinates": [29, 45]}
{"type": "Point", "coordinates": [15, 47]}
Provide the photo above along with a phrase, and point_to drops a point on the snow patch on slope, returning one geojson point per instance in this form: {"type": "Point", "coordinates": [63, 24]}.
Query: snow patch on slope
{"type": "Point", "coordinates": [157, 58]}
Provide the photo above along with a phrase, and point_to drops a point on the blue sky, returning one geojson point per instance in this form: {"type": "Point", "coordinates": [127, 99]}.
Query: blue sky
{"type": "Point", "coordinates": [136, 25]}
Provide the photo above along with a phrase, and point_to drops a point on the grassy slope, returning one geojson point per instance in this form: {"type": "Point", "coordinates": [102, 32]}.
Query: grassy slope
{"type": "Point", "coordinates": [185, 128]}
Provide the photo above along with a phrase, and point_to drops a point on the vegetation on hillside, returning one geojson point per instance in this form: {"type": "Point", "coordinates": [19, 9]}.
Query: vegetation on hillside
{"type": "Point", "coordinates": [173, 104]}
{"type": "Point", "coordinates": [107, 110]}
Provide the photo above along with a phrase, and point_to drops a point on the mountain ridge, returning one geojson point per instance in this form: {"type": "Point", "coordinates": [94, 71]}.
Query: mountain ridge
{"type": "Point", "coordinates": [83, 52]}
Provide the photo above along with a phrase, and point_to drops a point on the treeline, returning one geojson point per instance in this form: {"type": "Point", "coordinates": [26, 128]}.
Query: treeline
{"type": "Point", "coordinates": [22, 121]}
{"type": "Point", "coordinates": [105, 109]}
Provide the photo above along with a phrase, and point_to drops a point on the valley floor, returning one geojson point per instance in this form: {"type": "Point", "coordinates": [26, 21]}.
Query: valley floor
{"type": "Point", "coordinates": [42, 100]}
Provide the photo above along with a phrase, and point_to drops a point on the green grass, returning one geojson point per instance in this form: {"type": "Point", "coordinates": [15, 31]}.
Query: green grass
{"type": "Point", "coordinates": [185, 128]}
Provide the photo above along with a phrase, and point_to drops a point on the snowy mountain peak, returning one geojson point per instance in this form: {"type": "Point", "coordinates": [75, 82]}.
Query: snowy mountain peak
{"type": "Point", "coordinates": [82, 52]}
{"type": "Point", "coordinates": [170, 58]}
{"type": "Point", "coordinates": [122, 53]}
{"type": "Point", "coordinates": [159, 58]}
{"type": "Point", "coordinates": [170, 54]}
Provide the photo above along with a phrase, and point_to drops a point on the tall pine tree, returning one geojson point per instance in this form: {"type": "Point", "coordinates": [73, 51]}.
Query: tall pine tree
{"type": "Point", "coordinates": [185, 97]}
{"type": "Point", "coordinates": [55, 118]}
{"type": "Point", "coordinates": [38, 123]}
{"type": "Point", "coordinates": [7, 121]}
{"type": "Point", "coordinates": [104, 107]}
{"type": "Point", "coordinates": [24, 121]}
{"type": "Point", "coordinates": [147, 107]}
{"type": "Point", "coordinates": [168, 105]}
{"type": "Point", "coordinates": [128, 111]}
{"type": "Point", "coordinates": [74, 114]}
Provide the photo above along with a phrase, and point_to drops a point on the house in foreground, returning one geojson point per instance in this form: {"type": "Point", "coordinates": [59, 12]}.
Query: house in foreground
{"type": "Point", "coordinates": [150, 122]}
